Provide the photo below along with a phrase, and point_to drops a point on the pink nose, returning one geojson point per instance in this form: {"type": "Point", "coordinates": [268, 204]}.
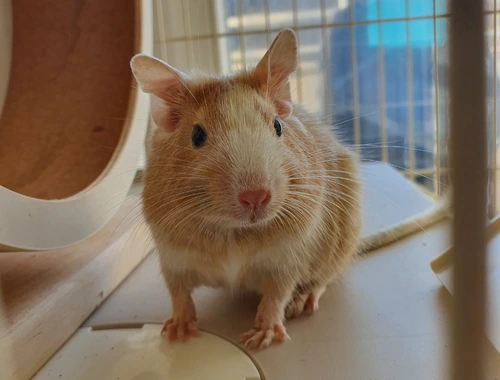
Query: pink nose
{"type": "Point", "coordinates": [254, 200]}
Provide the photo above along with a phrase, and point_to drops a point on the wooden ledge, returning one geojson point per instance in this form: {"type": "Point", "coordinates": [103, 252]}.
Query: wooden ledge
{"type": "Point", "coordinates": [46, 296]}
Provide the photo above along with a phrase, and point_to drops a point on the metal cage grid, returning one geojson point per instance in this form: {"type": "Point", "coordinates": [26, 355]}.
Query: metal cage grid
{"type": "Point", "coordinates": [467, 107]}
{"type": "Point", "coordinates": [206, 24]}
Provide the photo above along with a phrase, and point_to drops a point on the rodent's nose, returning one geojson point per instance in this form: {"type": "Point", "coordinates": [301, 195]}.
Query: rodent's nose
{"type": "Point", "coordinates": [254, 200]}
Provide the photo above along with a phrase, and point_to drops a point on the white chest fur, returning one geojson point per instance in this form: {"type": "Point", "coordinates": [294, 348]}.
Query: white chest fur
{"type": "Point", "coordinates": [227, 272]}
{"type": "Point", "coordinates": [232, 269]}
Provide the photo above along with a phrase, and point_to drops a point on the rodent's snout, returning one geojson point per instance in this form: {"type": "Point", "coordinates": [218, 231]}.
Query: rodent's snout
{"type": "Point", "coordinates": [251, 176]}
{"type": "Point", "coordinates": [254, 200]}
{"type": "Point", "coordinates": [254, 205]}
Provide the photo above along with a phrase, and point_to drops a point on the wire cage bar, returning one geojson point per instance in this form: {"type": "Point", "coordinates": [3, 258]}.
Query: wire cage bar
{"type": "Point", "coordinates": [468, 149]}
{"type": "Point", "coordinates": [466, 39]}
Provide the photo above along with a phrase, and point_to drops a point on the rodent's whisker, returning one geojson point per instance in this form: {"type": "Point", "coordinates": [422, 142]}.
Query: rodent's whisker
{"type": "Point", "coordinates": [410, 171]}
{"type": "Point", "coordinates": [313, 200]}
{"type": "Point", "coordinates": [377, 145]}
{"type": "Point", "coordinates": [338, 181]}
{"type": "Point", "coordinates": [242, 190]}
{"type": "Point", "coordinates": [193, 197]}
{"type": "Point", "coordinates": [341, 196]}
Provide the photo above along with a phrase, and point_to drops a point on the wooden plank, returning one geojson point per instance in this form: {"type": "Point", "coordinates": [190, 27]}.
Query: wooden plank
{"type": "Point", "coordinates": [65, 108]}
{"type": "Point", "coordinates": [46, 296]}
{"type": "Point", "coordinates": [469, 162]}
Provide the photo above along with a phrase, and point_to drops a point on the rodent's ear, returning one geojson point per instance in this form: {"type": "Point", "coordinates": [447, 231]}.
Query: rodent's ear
{"type": "Point", "coordinates": [164, 83]}
{"type": "Point", "coordinates": [153, 74]}
{"type": "Point", "coordinates": [277, 64]}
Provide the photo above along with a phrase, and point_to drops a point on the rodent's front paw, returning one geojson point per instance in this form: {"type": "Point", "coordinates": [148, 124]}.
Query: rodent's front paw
{"type": "Point", "coordinates": [179, 329]}
{"type": "Point", "coordinates": [262, 337]}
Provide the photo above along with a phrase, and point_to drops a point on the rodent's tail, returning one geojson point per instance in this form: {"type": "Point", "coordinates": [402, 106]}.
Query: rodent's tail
{"type": "Point", "coordinates": [440, 210]}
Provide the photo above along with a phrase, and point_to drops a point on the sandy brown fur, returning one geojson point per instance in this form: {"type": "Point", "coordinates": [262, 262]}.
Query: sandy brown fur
{"type": "Point", "coordinates": [312, 225]}
{"type": "Point", "coordinates": [333, 215]}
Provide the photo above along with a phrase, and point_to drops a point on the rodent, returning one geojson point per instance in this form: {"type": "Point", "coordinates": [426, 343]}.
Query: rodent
{"type": "Point", "coordinates": [245, 190]}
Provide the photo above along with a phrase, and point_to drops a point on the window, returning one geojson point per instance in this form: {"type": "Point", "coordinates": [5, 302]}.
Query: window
{"type": "Point", "coordinates": [375, 69]}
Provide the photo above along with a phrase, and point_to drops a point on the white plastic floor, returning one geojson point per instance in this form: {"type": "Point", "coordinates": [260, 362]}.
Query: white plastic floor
{"type": "Point", "coordinates": [387, 319]}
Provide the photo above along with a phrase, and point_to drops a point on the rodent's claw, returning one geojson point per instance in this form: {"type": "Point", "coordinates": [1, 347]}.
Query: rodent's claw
{"type": "Point", "coordinates": [301, 304]}
{"type": "Point", "coordinates": [262, 338]}
{"type": "Point", "coordinates": [311, 305]}
{"type": "Point", "coordinates": [296, 306]}
{"type": "Point", "coordinates": [179, 330]}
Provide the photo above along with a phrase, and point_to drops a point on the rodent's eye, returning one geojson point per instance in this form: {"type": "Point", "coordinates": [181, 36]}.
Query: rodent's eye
{"type": "Point", "coordinates": [198, 136]}
{"type": "Point", "coordinates": [277, 127]}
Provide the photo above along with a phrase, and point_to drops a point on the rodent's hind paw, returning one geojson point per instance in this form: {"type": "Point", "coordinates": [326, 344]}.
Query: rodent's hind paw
{"type": "Point", "coordinates": [175, 329]}
{"type": "Point", "coordinates": [301, 304]}
{"type": "Point", "coordinates": [262, 338]}
{"type": "Point", "coordinates": [295, 307]}
{"type": "Point", "coordinates": [311, 305]}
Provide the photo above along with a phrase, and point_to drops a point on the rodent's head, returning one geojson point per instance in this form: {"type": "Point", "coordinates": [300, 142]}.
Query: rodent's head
{"type": "Point", "coordinates": [222, 148]}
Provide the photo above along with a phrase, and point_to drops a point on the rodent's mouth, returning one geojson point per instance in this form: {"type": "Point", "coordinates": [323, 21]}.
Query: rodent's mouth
{"type": "Point", "coordinates": [253, 219]}
{"type": "Point", "coordinates": [243, 220]}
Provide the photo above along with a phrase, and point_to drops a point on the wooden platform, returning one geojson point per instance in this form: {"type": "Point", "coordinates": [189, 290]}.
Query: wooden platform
{"type": "Point", "coordinates": [46, 296]}
{"type": "Point", "coordinates": [388, 319]}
